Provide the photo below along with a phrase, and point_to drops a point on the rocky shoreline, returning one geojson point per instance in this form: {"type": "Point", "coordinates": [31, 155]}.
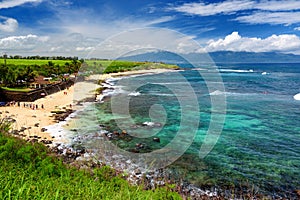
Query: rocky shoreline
{"type": "Point", "coordinates": [86, 159]}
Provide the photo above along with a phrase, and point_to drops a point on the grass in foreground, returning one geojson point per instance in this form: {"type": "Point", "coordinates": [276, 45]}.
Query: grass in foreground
{"type": "Point", "coordinates": [27, 171]}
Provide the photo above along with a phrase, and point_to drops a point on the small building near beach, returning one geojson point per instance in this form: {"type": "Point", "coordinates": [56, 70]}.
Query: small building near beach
{"type": "Point", "coordinates": [40, 82]}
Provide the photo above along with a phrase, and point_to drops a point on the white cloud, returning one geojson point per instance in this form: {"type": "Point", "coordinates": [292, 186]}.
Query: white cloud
{"type": "Point", "coordinates": [105, 28]}
{"type": "Point", "coordinates": [144, 40]}
{"type": "Point", "coordinates": [261, 12]}
{"type": "Point", "coordinates": [225, 7]}
{"type": "Point", "coordinates": [234, 42]}
{"type": "Point", "coordinates": [85, 48]}
{"type": "Point", "coordinates": [8, 25]}
{"type": "Point", "coordinates": [22, 42]}
{"type": "Point", "coordinates": [14, 3]}
{"type": "Point", "coordinates": [233, 6]}
{"type": "Point", "coordinates": [276, 5]}
{"type": "Point", "coordinates": [286, 18]}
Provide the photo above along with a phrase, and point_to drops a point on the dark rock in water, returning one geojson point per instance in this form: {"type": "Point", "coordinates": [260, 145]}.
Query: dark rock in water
{"type": "Point", "coordinates": [116, 133]}
{"type": "Point", "coordinates": [101, 126]}
{"type": "Point", "coordinates": [109, 135]}
{"type": "Point", "coordinates": [78, 148]}
{"type": "Point", "coordinates": [134, 150]}
{"type": "Point", "coordinates": [298, 193]}
{"type": "Point", "coordinates": [157, 124]}
{"type": "Point", "coordinates": [62, 114]}
{"type": "Point", "coordinates": [134, 126]}
{"type": "Point", "coordinates": [156, 139]}
{"type": "Point", "coordinates": [127, 139]}
{"type": "Point", "coordinates": [139, 146]}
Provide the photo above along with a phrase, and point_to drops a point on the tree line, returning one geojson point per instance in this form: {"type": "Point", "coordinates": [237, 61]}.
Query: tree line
{"type": "Point", "coordinates": [37, 57]}
{"type": "Point", "coordinates": [12, 75]}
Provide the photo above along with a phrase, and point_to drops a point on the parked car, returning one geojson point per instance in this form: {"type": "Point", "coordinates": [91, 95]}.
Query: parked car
{"type": "Point", "coordinates": [2, 103]}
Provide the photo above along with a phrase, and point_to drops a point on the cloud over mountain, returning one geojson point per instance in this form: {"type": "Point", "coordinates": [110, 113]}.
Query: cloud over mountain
{"type": "Point", "coordinates": [235, 42]}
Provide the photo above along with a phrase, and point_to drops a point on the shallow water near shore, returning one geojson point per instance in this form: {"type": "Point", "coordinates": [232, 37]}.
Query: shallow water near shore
{"type": "Point", "coordinates": [259, 147]}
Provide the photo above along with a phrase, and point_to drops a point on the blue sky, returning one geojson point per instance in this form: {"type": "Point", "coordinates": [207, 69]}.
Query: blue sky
{"type": "Point", "coordinates": [75, 27]}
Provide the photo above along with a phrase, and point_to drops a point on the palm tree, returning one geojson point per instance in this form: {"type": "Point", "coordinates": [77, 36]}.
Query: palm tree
{"type": "Point", "coordinates": [10, 78]}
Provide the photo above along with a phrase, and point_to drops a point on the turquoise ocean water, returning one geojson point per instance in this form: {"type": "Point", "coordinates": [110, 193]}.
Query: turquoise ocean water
{"type": "Point", "coordinates": [259, 147]}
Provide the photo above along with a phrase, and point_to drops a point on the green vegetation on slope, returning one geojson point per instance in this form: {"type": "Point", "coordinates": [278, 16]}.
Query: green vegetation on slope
{"type": "Point", "coordinates": [27, 171]}
{"type": "Point", "coordinates": [20, 73]}
{"type": "Point", "coordinates": [27, 62]}
{"type": "Point", "coordinates": [113, 66]}
{"type": "Point", "coordinates": [17, 73]}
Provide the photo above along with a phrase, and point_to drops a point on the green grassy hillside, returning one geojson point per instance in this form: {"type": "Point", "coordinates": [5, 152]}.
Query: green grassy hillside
{"type": "Point", "coordinates": [28, 171]}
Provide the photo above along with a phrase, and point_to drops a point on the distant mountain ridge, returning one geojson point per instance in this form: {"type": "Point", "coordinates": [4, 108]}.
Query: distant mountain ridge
{"type": "Point", "coordinates": [217, 57]}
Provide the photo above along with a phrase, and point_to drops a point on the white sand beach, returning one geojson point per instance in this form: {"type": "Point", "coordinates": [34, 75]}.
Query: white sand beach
{"type": "Point", "coordinates": [35, 119]}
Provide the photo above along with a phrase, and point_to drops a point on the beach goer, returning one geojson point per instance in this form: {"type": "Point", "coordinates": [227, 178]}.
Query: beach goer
{"type": "Point", "coordinates": [42, 106]}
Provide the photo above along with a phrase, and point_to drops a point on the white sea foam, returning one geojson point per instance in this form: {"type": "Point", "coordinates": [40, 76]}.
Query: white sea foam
{"type": "Point", "coordinates": [149, 123]}
{"type": "Point", "coordinates": [166, 95]}
{"type": "Point", "coordinates": [236, 70]}
{"type": "Point", "coordinates": [134, 94]}
{"type": "Point", "coordinates": [57, 131]}
{"type": "Point", "coordinates": [195, 69]}
{"type": "Point", "coordinates": [265, 73]}
{"type": "Point", "coordinates": [217, 92]}
{"type": "Point", "coordinates": [168, 83]}
{"type": "Point", "coordinates": [297, 97]}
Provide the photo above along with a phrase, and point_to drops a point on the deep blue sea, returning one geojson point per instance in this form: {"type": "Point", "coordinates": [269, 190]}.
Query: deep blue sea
{"type": "Point", "coordinates": [258, 147]}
